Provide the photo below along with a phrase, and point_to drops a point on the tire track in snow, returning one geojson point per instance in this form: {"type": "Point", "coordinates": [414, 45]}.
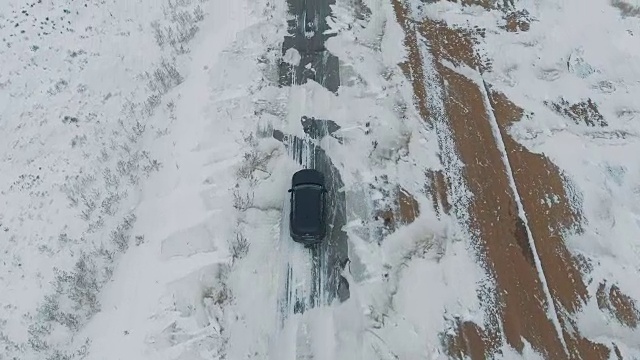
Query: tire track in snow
{"type": "Point", "coordinates": [312, 276]}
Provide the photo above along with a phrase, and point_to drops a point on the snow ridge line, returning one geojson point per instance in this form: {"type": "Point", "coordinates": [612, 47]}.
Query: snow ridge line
{"type": "Point", "coordinates": [551, 311]}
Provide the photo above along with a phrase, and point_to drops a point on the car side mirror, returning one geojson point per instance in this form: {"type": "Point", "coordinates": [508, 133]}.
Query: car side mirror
{"type": "Point", "coordinates": [290, 190]}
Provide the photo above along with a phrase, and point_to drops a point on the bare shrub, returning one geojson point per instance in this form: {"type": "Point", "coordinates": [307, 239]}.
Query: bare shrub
{"type": "Point", "coordinates": [242, 201]}
{"type": "Point", "coordinates": [198, 13]}
{"type": "Point", "coordinates": [182, 25]}
{"type": "Point", "coordinates": [138, 129]}
{"type": "Point", "coordinates": [98, 223]}
{"type": "Point", "coordinates": [37, 333]}
{"type": "Point", "coordinates": [128, 167]}
{"type": "Point", "coordinates": [59, 86]}
{"type": "Point", "coordinates": [171, 107]}
{"type": "Point", "coordinates": [64, 239]}
{"type": "Point", "coordinates": [164, 78]}
{"type": "Point", "coordinates": [75, 188]}
{"type": "Point", "coordinates": [151, 165]}
{"type": "Point", "coordinates": [120, 236]}
{"type": "Point", "coordinates": [58, 354]}
{"type": "Point", "coordinates": [239, 246]}
{"type": "Point", "coordinates": [106, 254]}
{"type": "Point", "coordinates": [89, 201]}
{"type": "Point", "coordinates": [254, 160]}
{"type": "Point", "coordinates": [111, 181]}
{"type": "Point", "coordinates": [185, 25]}
{"type": "Point", "coordinates": [153, 101]}
{"type": "Point", "coordinates": [139, 240]}
{"type": "Point", "coordinates": [158, 34]}
{"type": "Point", "coordinates": [219, 295]}
{"type": "Point", "coordinates": [81, 286]}
{"type": "Point", "coordinates": [48, 310]}
{"type": "Point", "coordinates": [109, 204]}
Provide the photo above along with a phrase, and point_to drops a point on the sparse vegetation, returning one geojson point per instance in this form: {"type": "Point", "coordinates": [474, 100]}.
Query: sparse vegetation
{"type": "Point", "coordinates": [244, 193]}
{"type": "Point", "coordinates": [179, 26]}
{"type": "Point", "coordinates": [104, 165]}
{"type": "Point", "coordinates": [75, 297]}
{"type": "Point", "coordinates": [242, 201]}
{"type": "Point", "coordinates": [582, 113]}
{"type": "Point", "coordinates": [239, 246]}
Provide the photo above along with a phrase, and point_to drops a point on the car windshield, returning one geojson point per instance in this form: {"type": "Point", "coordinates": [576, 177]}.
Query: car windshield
{"type": "Point", "coordinates": [307, 210]}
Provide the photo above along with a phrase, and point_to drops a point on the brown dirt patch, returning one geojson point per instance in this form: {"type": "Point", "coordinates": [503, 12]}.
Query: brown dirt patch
{"type": "Point", "coordinates": [456, 45]}
{"type": "Point", "coordinates": [495, 220]}
{"type": "Point", "coordinates": [437, 190]}
{"type": "Point", "coordinates": [584, 112]}
{"type": "Point", "coordinates": [404, 210]}
{"type": "Point", "coordinates": [412, 67]}
{"type": "Point", "coordinates": [625, 8]}
{"type": "Point", "coordinates": [549, 212]}
{"type": "Point", "coordinates": [541, 188]}
{"type": "Point", "coordinates": [517, 21]}
{"type": "Point", "coordinates": [469, 341]}
{"type": "Point", "coordinates": [408, 207]}
{"type": "Point", "coordinates": [620, 305]}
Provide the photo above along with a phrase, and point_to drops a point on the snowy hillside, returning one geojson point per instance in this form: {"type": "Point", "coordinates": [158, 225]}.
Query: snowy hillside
{"type": "Point", "coordinates": [481, 158]}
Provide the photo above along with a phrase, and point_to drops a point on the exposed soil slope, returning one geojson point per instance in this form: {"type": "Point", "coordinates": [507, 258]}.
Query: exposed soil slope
{"type": "Point", "coordinates": [519, 209]}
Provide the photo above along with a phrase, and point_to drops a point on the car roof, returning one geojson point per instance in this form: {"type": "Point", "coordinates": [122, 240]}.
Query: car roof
{"type": "Point", "coordinates": [307, 176]}
{"type": "Point", "coordinates": [307, 210]}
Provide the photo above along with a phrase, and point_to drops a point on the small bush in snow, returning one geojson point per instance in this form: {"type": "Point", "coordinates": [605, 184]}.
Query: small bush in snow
{"type": "Point", "coordinates": [128, 167]}
{"type": "Point", "coordinates": [111, 181]}
{"type": "Point", "coordinates": [239, 246]}
{"type": "Point", "coordinates": [120, 236]}
{"type": "Point", "coordinates": [96, 224]}
{"type": "Point", "coordinates": [254, 160]}
{"type": "Point", "coordinates": [106, 254]}
{"type": "Point", "coordinates": [164, 78]}
{"type": "Point", "coordinates": [182, 26]}
{"type": "Point", "coordinates": [81, 286]}
{"type": "Point", "coordinates": [59, 355]}
{"type": "Point", "coordinates": [89, 201]}
{"type": "Point", "coordinates": [242, 201]}
{"type": "Point", "coordinates": [158, 33]}
{"type": "Point", "coordinates": [64, 239]}
{"type": "Point", "coordinates": [151, 165]}
{"type": "Point", "coordinates": [219, 294]}
{"type": "Point", "coordinates": [75, 188]}
{"type": "Point", "coordinates": [153, 101]}
{"type": "Point", "coordinates": [109, 204]}
{"type": "Point", "coordinates": [37, 333]}
{"type": "Point", "coordinates": [78, 140]}
{"type": "Point", "coordinates": [58, 87]}
{"type": "Point", "coordinates": [139, 240]}
{"type": "Point", "coordinates": [9, 345]}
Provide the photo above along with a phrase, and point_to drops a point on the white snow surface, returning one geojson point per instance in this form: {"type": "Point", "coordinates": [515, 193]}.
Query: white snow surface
{"type": "Point", "coordinates": [135, 224]}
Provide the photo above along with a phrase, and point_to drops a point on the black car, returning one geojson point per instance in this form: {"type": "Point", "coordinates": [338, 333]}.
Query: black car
{"type": "Point", "coordinates": [307, 216]}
